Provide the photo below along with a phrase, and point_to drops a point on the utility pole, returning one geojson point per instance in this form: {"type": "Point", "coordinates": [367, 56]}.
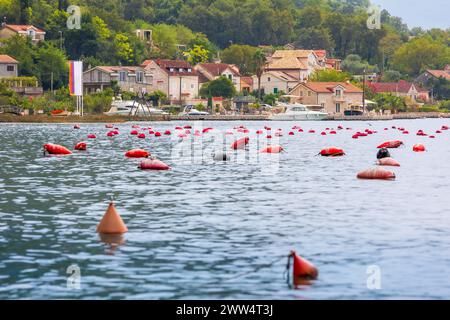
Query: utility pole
{"type": "Point", "coordinates": [364, 91]}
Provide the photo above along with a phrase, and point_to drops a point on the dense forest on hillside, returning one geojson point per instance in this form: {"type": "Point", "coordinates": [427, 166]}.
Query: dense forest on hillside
{"type": "Point", "coordinates": [229, 29]}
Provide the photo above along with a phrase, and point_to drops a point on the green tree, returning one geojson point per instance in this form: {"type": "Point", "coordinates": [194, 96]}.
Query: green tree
{"type": "Point", "coordinates": [391, 76]}
{"type": "Point", "coordinates": [51, 64]}
{"type": "Point", "coordinates": [388, 101]}
{"type": "Point", "coordinates": [220, 87]}
{"type": "Point", "coordinates": [315, 38]}
{"type": "Point", "coordinates": [242, 56]}
{"type": "Point", "coordinates": [356, 66]}
{"type": "Point", "coordinates": [260, 63]}
{"type": "Point", "coordinates": [196, 55]}
{"type": "Point", "coordinates": [419, 54]}
{"type": "Point", "coordinates": [329, 75]}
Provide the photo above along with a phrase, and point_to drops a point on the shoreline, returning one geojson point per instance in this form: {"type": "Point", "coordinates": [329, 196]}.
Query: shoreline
{"type": "Point", "coordinates": [11, 118]}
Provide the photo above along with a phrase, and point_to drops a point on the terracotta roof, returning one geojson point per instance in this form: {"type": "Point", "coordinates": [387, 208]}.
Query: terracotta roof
{"type": "Point", "coordinates": [289, 59]}
{"type": "Point", "coordinates": [216, 69]}
{"type": "Point", "coordinates": [440, 73]}
{"type": "Point", "coordinates": [176, 65]}
{"type": "Point", "coordinates": [23, 27]}
{"type": "Point", "coordinates": [329, 86]}
{"type": "Point", "coordinates": [401, 86]}
{"type": "Point", "coordinates": [4, 58]}
{"type": "Point", "coordinates": [321, 53]}
{"type": "Point", "coordinates": [247, 80]}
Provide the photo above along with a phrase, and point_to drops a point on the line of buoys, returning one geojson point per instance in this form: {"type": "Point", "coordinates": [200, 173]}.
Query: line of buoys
{"type": "Point", "coordinates": [332, 152]}
{"type": "Point", "coordinates": [111, 222]}
{"type": "Point", "coordinates": [302, 271]}
{"type": "Point", "coordinates": [388, 162]}
{"type": "Point", "coordinates": [153, 164]}
{"type": "Point", "coordinates": [272, 149]}
{"type": "Point", "coordinates": [240, 143]}
{"type": "Point", "coordinates": [418, 147]}
{"type": "Point", "coordinates": [390, 144]}
{"type": "Point", "coordinates": [137, 153]}
{"type": "Point", "coordinates": [56, 149]}
{"type": "Point", "coordinates": [376, 173]}
{"type": "Point", "coordinates": [81, 146]}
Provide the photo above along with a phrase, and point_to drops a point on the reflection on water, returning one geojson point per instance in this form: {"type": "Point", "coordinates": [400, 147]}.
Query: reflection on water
{"type": "Point", "coordinates": [201, 223]}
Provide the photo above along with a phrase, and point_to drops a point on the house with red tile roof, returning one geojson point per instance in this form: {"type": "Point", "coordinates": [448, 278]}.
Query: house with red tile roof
{"type": "Point", "coordinates": [275, 82]}
{"type": "Point", "coordinates": [176, 78]}
{"type": "Point", "coordinates": [8, 66]}
{"type": "Point", "coordinates": [299, 64]}
{"type": "Point", "coordinates": [211, 71]}
{"type": "Point", "coordinates": [9, 30]}
{"type": "Point", "coordinates": [131, 79]}
{"type": "Point", "coordinates": [333, 97]}
{"type": "Point", "coordinates": [401, 88]}
{"type": "Point", "coordinates": [428, 75]}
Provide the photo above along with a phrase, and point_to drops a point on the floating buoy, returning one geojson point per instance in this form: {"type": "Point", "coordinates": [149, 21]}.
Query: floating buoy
{"type": "Point", "coordinates": [333, 132]}
{"type": "Point", "coordinates": [385, 129]}
{"type": "Point", "coordinates": [141, 136]}
{"type": "Point", "coordinates": [291, 133]}
{"type": "Point", "coordinates": [55, 149]}
{"type": "Point", "coordinates": [137, 153]}
{"type": "Point", "coordinates": [187, 127]}
{"type": "Point", "coordinates": [178, 128]}
{"type": "Point", "coordinates": [240, 143]}
{"type": "Point", "coordinates": [111, 222]}
{"type": "Point", "coordinates": [302, 271]}
{"type": "Point", "coordinates": [311, 131]}
{"type": "Point", "coordinates": [383, 153]}
{"type": "Point", "coordinates": [134, 132]}
{"type": "Point", "coordinates": [81, 146]}
{"type": "Point", "coordinates": [418, 147]}
{"type": "Point", "coordinates": [151, 131]}
{"type": "Point", "coordinates": [272, 149]}
{"type": "Point", "coordinates": [431, 137]}
{"type": "Point", "coordinates": [153, 164]}
{"type": "Point", "coordinates": [323, 133]}
{"type": "Point", "coordinates": [300, 130]}
{"type": "Point", "coordinates": [205, 130]}
{"type": "Point", "coordinates": [135, 126]}
{"type": "Point", "coordinates": [355, 136]}
{"type": "Point", "coordinates": [438, 131]}
{"type": "Point", "coordinates": [376, 173]}
{"type": "Point", "coordinates": [157, 134]}
{"type": "Point", "coordinates": [405, 132]}
{"type": "Point", "coordinates": [91, 136]}
{"type": "Point", "coordinates": [109, 126]}
{"type": "Point", "coordinates": [388, 162]}
{"type": "Point", "coordinates": [77, 126]}
{"type": "Point", "coordinates": [278, 134]}
{"type": "Point", "coordinates": [269, 136]}
{"type": "Point", "coordinates": [444, 128]}
{"type": "Point", "coordinates": [332, 152]}
{"type": "Point", "coordinates": [111, 134]}
{"type": "Point", "coordinates": [340, 127]}
{"type": "Point", "coordinates": [390, 144]}
{"type": "Point", "coordinates": [220, 156]}
{"type": "Point", "coordinates": [167, 132]}
{"type": "Point", "coordinates": [259, 131]}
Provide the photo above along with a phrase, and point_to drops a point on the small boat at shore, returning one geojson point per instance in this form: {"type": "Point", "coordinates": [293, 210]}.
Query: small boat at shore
{"type": "Point", "coordinates": [298, 111]}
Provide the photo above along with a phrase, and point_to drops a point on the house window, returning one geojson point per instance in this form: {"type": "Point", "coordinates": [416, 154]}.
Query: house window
{"type": "Point", "coordinates": [338, 107]}
{"type": "Point", "coordinates": [181, 70]}
{"type": "Point", "coordinates": [192, 86]}
{"type": "Point", "coordinates": [32, 34]}
{"type": "Point", "coordinates": [268, 79]}
{"type": "Point", "coordinates": [230, 77]}
{"type": "Point", "coordinates": [275, 90]}
{"type": "Point", "coordinates": [338, 93]}
{"type": "Point", "coordinates": [99, 76]}
{"type": "Point", "coordinates": [323, 105]}
{"type": "Point", "coordinates": [10, 68]}
{"type": "Point", "coordinates": [139, 77]}
{"type": "Point", "coordinates": [171, 69]}
{"type": "Point", "coordinates": [189, 70]}
{"type": "Point", "coordinates": [309, 93]}
{"type": "Point", "coordinates": [301, 93]}
{"type": "Point", "coordinates": [122, 76]}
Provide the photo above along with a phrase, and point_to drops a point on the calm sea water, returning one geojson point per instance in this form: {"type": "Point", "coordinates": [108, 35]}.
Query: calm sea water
{"type": "Point", "coordinates": [222, 230]}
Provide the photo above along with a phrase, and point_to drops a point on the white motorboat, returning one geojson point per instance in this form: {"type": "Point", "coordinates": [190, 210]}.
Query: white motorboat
{"type": "Point", "coordinates": [131, 107]}
{"type": "Point", "coordinates": [299, 111]}
{"type": "Point", "coordinates": [190, 110]}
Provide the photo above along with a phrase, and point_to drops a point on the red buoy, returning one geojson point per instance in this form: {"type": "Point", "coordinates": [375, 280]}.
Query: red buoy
{"type": "Point", "coordinates": [269, 136]}
{"type": "Point", "coordinates": [157, 134]}
{"type": "Point", "coordinates": [56, 149]}
{"type": "Point", "coordinates": [153, 164]}
{"type": "Point", "coordinates": [240, 143]}
{"type": "Point", "coordinates": [291, 133]}
{"type": "Point", "coordinates": [418, 147]}
{"type": "Point", "coordinates": [259, 131]}
{"type": "Point", "coordinates": [111, 134]}
{"type": "Point", "coordinates": [134, 132]}
{"type": "Point", "coordinates": [388, 162]}
{"type": "Point", "coordinates": [167, 132]}
{"type": "Point", "coordinates": [323, 133]}
{"type": "Point", "coordinates": [333, 132]}
{"type": "Point", "coordinates": [91, 136]}
{"type": "Point", "coordinates": [376, 173]}
{"type": "Point", "coordinates": [390, 144]}
{"type": "Point", "coordinates": [311, 131]}
{"type": "Point", "coordinates": [302, 269]}
{"type": "Point", "coordinates": [141, 136]}
{"type": "Point", "coordinates": [205, 130]}
{"type": "Point", "coordinates": [137, 153]}
{"type": "Point", "coordinates": [332, 152]}
{"type": "Point", "coordinates": [81, 146]}
{"type": "Point", "coordinates": [187, 127]}
{"type": "Point", "coordinates": [272, 149]}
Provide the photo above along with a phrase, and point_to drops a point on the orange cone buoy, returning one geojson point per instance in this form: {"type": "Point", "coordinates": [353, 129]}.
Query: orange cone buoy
{"type": "Point", "coordinates": [390, 144]}
{"type": "Point", "coordinates": [81, 146]}
{"type": "Point", "coordinates": [388, 162]}
{"type": "Point", "coordinates": [376, 173]}
{"type": "Point", "coordinates": [137, 153]}
{"type": "Point", "coordinates": [419, 147]}
{"type": "Point", "coordinates": [55, 149]}
{"type": "Point", "coordinates": [302, 269]}
{"type": "Point", "coordinates": [332, 152]}
{"type": "Point", "coordinates": [111, 222]}
{"type": "Point", "coordinates": [272, 149]}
